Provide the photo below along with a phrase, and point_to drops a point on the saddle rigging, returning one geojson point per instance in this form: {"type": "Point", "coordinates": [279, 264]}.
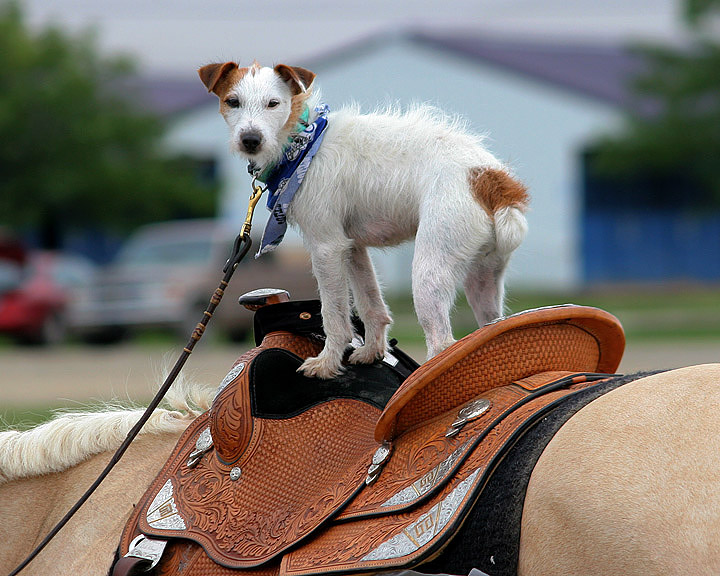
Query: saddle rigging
{"type": "Point", "coordinates": [373, 470]}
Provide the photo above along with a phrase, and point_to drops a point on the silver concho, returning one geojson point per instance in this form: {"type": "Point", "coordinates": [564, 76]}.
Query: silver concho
{"type": "Point", "coordinates": [378, 461]}
{"type": "Point", "coordinates": [235, 474]}
{"type": "Point", "coordinates": [471, 411]}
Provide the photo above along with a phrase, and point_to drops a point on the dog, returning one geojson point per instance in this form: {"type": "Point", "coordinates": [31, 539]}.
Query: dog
{"type": "Point", "coordinates": [378, 180]}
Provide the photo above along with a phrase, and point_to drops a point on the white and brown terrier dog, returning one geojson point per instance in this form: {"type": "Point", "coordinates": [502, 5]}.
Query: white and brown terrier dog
{"type": "Point", "coordinates": [379, 179]}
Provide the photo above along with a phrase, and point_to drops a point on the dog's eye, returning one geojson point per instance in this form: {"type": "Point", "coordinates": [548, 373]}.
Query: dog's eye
{"type": "Point", "coordinates": [232, 102]}
{"type": "Point", "coordinates": [273, 103]}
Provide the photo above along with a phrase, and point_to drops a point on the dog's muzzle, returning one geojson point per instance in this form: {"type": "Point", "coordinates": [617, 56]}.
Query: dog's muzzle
{"type": "Point", "coordinates": [251, 142]}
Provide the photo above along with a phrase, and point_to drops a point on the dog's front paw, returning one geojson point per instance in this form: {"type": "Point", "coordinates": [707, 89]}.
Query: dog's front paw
{"type": "Point", "coordinates": [366, 354]}
{"type": "Point", "coordinates": [321, 366]}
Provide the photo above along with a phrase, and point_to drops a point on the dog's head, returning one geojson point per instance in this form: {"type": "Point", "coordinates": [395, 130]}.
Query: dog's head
{"type": "Point", "coordinates": [260, 105]}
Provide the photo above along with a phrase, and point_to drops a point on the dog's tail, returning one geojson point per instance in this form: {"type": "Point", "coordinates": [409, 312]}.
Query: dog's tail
{"type": "Point", "coordinates": [510, 229]}
{"type": "Point", "coordinates": [505, 199]}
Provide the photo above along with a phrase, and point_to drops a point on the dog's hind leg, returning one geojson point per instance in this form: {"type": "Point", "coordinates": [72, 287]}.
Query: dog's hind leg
{"type": "Point", "coordinates": [484, 283]}
{"type": "Point", "coordinates": [485, 288]}
{"type": "Point", "coordinates": [436, 273]}
{"type": "Point", "coordinates": [370, 306]}
{"type": "Point", "coordinates": [329, 263]}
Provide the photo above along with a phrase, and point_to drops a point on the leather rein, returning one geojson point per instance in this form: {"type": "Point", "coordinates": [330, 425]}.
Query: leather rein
{"type": "Point", "coordinates": [241, 247]}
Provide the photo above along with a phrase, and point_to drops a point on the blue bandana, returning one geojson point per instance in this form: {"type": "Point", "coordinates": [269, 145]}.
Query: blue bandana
{"type": "Point", "coordinates": [284, 179]}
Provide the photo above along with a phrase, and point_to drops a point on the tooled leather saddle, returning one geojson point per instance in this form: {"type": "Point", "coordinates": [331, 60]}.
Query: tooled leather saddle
{"type": "Point", "coordinates": [374, 470]}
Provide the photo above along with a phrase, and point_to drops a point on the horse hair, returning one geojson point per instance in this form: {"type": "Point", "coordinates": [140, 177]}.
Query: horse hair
{"type": "Point", "coordinates": [72, 437]}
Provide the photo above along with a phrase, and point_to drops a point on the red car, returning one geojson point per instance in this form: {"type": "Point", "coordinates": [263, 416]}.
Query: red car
{"type": "Point", "coordinates": [36, 291]}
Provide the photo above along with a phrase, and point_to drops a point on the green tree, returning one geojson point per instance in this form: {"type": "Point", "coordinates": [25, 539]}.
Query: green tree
{"type": "Point", "coordinates": [680, 139]}
{"type": "Point", "coordinates": [74, 151]}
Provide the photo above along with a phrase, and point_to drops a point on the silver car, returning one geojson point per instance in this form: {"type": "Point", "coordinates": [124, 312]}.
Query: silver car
{"type": "Point", "coordinates": [166, 273]}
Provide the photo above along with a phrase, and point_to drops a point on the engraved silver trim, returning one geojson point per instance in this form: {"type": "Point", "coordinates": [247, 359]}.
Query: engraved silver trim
{"type": "Point", "coordinates": [427, 482]}
{"type": "Point", "coordinates": [162, 513]}
{"type": "Point", "coordinates": [234, 373]}
{"type": "Point", "coordinates": [379, 459]}
{"type": "Point", "coordinates": [452, 432]}
{"type": "Point", "coordinates": [203, 444]}
{"type": "Point", "coordinates": [370, 478]}
{"type": "Point", "coordinates": [147, 549]}
{"type": "Point", "coordinates": [204, 441]}
{"type": "Point", "coordinates": [382, 454]}
{"type": "Point", "coordinates": [423, 530]}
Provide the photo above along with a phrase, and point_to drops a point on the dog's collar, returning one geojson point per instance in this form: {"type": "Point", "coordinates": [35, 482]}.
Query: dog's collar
{"type": "Point", "coordinates": [284, 178]}
{"type": "Point", "coordinates": [301, 126]}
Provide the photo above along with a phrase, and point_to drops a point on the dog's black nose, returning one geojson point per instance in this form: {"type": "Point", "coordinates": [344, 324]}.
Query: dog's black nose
{"type": "Point", "coordinates": [251, 141]}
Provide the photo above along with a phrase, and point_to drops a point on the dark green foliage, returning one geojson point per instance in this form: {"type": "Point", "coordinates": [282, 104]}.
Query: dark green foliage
{"type": "Point", "coordinates": [680, 139]}
{"type": "Point", "coordinates": [74, 151]}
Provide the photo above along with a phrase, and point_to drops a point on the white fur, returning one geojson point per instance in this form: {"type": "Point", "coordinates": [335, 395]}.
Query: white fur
{"type": "Point", "coordinates": [71, 438]}
{"type": "Point", "coordinates": [380, 179]}
{"type": "Point", "coordinates": [254, 92]}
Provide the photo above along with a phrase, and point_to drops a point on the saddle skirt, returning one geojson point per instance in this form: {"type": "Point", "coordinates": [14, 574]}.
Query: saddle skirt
{"type": "Point", "coordinates": [371, 471]}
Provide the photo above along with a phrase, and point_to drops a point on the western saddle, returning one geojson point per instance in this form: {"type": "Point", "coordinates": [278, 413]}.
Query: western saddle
{"type": "Point", "coordinates": [372, 471]}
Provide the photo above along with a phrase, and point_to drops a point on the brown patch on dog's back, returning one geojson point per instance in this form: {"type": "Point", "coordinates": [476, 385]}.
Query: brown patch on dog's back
{"type": "Point", "coordinates": [495, 189]}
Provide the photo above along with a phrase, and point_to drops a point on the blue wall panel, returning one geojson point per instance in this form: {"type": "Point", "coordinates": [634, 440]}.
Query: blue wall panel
{"type": "Point", "coordinates": [650, 246]}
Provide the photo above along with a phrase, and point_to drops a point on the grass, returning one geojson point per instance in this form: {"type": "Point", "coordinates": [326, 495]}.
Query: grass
{"type": "Point", "coordinates": [24, 418]}
{"type": "Point", "coordinates": [646, 313]}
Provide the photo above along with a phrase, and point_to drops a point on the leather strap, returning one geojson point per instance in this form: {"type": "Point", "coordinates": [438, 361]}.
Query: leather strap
{"type": "Point", "coordinates": [144, 555]}
{"type": "Point", "coordinates": [127, 566]}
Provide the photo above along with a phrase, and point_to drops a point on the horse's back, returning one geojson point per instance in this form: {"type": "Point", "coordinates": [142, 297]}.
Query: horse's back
{"type": "Point", "coordinates": [86, 546]}
{"type": "Point", "coordinates": [629, 485]}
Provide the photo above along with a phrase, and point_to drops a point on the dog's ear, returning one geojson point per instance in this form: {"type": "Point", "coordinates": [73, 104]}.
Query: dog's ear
{"type": "Point", "coordinates": [213, 74]}
{"type": "Point", "coordinates": [299, 79]}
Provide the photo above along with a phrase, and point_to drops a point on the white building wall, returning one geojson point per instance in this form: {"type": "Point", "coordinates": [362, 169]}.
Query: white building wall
{"type": "Point", "coordinates": [539, 129]}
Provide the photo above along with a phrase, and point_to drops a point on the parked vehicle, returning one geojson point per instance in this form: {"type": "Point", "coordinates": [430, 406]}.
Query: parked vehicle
{"type": "Point", "coordinates": [37, 293]}
{"type": "Point", "coordinates": [166, 273]}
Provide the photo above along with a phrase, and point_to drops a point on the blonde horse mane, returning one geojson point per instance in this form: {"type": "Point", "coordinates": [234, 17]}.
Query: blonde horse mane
{"type": "Point", "coordinates": [72, 437]}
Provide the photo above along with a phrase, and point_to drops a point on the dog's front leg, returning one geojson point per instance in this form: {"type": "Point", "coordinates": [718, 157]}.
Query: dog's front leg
{"type": "Point", "coordinates": [329, 263]}
{"type": "Point", "coordinates": [370, 306]}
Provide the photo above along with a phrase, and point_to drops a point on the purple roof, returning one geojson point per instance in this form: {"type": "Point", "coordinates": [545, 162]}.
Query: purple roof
{"type": "Point", "coordinates": [165, 95]}
{"type": "Point", "coordinates": [171, 95]}
{"type": "Point", "coordinates": [601, 71]}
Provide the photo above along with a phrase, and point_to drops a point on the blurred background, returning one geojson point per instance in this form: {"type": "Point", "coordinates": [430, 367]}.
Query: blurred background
{"type": "Point", "coordinates": [119, 198]}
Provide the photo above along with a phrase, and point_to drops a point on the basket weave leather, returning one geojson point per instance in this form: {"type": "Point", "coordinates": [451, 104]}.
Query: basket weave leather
{"type": "Point", "coordinates": [301, 504]}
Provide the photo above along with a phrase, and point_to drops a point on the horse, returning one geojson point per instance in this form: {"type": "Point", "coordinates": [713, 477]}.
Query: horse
{"type": "Point", "coordinates": [43, 472]}
{"type": "Point", "coordinates": [628, 485]}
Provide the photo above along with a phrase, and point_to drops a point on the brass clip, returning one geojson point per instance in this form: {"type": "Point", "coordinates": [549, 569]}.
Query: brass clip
{"type": "Point", "coordinates": [254, 199]}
